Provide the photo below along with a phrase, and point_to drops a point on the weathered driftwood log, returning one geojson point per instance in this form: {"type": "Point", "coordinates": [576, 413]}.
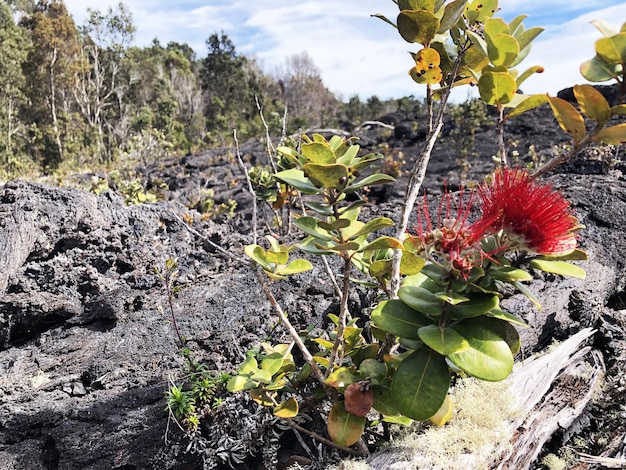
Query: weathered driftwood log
{"type": "Point", "coordinates": [551, 390]}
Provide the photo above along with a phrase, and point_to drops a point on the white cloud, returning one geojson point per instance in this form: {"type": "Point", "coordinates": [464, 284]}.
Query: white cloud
{"type": "Point", "coordinates": [357, 54]}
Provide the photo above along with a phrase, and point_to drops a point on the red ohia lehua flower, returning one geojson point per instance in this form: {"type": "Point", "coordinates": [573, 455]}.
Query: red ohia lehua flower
{"type": "Point", "coordinates": [532, 216]}
{"type": "Point", "coordinates": [453, 243]}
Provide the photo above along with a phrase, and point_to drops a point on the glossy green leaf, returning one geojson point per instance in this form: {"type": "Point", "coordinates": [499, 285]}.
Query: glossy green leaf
{"type": "Point", "coordinates": [383, 400]}
{"type": "Point", "coordinates": [287, 409]}
{"type": "Point", "coordinates": [592, 103]}
{"type": "Point", "coordinates": [479, 304]}
{"type": "Point", "coordinates": [597, 70]}
{"type": "Point", "coordinates": [527, 36]}
{"type": "Point", "coordinates": [318, 153]}
{"type": "Point", "coordinates": [488, 356]}
{"type": "Point", "coordinates": [478, 42]}
{"type": "Point", "coordinates": [559, 267]}
{"type": "Point", "coordinates": [374, 370]}
{"type": "Point", "coordinates": [612, 50]}
{"type": "Point", "coordinates": [343, 428]}
{"type": "Point", "coordinates": [451, 15]}
{"type": "Point", "coordinates": [309, 226]}
{"type": "Point", "coordinates": [510, 274]}
{"type": "Point", "coordinates": [570, 120]}
{"type": "Point", "coordinates": [480, 10]}
{"type": "Point", "coordinates": [297, 266]}
{"type": "Point", "coordinates": [411, 263]}
{"type": "Point", "coordinates": [452, 298]}
{"type": "Point", "coordinates": [516, 26]}
{"type": "Point", "coordinates": [528, 293]}
{"type": "Point", "coordinates": [418, 26]}
{"type": "Point", "coordinates": [527, 73]}
{"type": "Point", "coordinates": [293, 155]}
{"type": "Point", "coordinates": [495, 26]}
{"type": "Point", "coordinates": [381, 243]}
{"type": "Point", "coordinates": [239, 383]}
{"type": "Point", "coordinates": [509, 317]}
{"type": "Point", "coordinates": [532, 102]}
{"type": "Point", "coordinates": [443, 340]}
{"type": "Point", "coordinates": [280, 257]}
{"type": "Point", "coordinates": [496, 88]}
{"type": "Point", "coordinates": [421, 300]}
{"type": "Point", "coordinates": [373, 226]}
{"type": "Point", "coordinates": [420, 385]}
{"type": "Point", "coordinates": [341, 377]}
{"type": "Point", "coordinates": [397, 318]}
{"type": "Point", "coordinates": [378, 178]}
{"type": "Point", "coordinates": [334, 225]}
{"type": "Point", "coordinates": [333, 176]}
{"type": "Point", "coordinates": [294, 177]}
{"type": "Point", "coordinates": [348, 246]}
{"type": "Point", "coordinates": [257, 254]}
{"type": "Point", "coordinates": [614, 135]}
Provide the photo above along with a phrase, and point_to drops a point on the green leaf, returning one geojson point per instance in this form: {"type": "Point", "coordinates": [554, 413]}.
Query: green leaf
{"type": "Point", "coordinates": [496, 88]}
{"type": "Point", "coordinates": [257, 254]}
{"type": "Point", "coordinates": [378, 178]}
{"type": "Point", "coordinates": [297, 266]}
{"type": "Point", "coordinates": [277, 257]}
{"type": "Point", "coordinates": [420, 385]}
{"type": "Point", "coordinates": [495, 26]}
{"type": "Point", "coordinates": [418, 26]}
{"type": "Point", "coordinates": [612, 50]}
{"type": "Point", "coordinates": [411, 263]}
{"type": "Point", "coordinates": [593, 103]}
{"type": "Point", "coordinates": [574, 255]}
{"type": "Point", "coordinates": [341, 377]}
{"type": "Point", "coordinates": [452, 298]}
{"type": "Point", "coordinates": [488, 356]}
{"type": "Point", "coordinates": [597, 70]}
{"type": "Point", "coordinates": [262, 376]}
{"type": "Point", "coordinates": [293, 155]}
{"type": "Point", "coordinates": [381, 243]}
{"type": "Point", "coordinates": [503, 315]}
{"type": "Point", "coordinates": [516, 26]}
{"type": "Point", "coordinates": [528, 293]}
{"type": "Point", "coordinates": [309, 226]}
{"type": "Point", "coordinates": [294, 177]}
{"type": "Point", "coordinates": [532, 102]}
{"type": "Point", "coordinates": [451, 14]}
{"type": "Point", "coordinates": [478, 42]}
{"type": "Point", "coordinates": [319, 153]}
{"type": "Point", "coordinates": [372, 226]}
{"type": "Point", "coordinates": [510, 274]}
{"type": "Point", "coordinates": [397, 318]}
{"type": "Point", "coordinates": [287, 409]}
{"type": "Point", "coordinates": [335, 225]}
{"type": "Point", "coordinates": [383, 400]}
{"type": "Point", "coordinates": [343, 428]}
{"type": "Point", "coordinates": [333, 176]}
{"type": "Point", "coordinates": [421, 300]}
{"type": "Point", "coordinates": [480, 10]}
{"type": "Point", "coordinates": [614, 135]}
{"type": "Point", "coordinates": [526, 37]}
{"type": "Point", "coordinates": [570, 120]}
{"type": "Point", "coordinates": [479, 304]}
{"type": "Point", "coordinates": [373, 370]}
{"type": "Point", "coordinates": [443, 340]}
{"type": "Point", "coordinates": [238, 383]}
{"type": "Point", "coordinates": [559, 267]}
{"type": "Point", "coordinates": [502, 49]}
{"type": "Point", "coordinates": [527, 73]}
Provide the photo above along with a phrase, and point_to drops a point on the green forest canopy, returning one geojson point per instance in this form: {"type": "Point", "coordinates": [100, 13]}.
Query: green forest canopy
{"type": "Point", "coordinates": [82, 96]}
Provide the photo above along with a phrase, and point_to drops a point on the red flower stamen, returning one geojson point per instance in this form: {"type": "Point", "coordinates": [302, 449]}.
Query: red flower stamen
{"type": "Point", "coordinates": [533, 215]}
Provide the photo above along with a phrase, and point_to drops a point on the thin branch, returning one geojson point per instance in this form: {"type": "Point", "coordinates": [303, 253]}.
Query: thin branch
{"type": "Point", "coordinates": [504, 160]}
{"type": "Point", "coordinates": [331, 275]}
{"type": "Point", "coordinates": [250, 188]}
{"type": "Point", "coordinates": [560, 159]}
{"type": "Point", "coordinates": [343, 313]}
{"type": "Point", "coordinates": [308, 357]}
{"type": "Point", "coordinates": [199, 235]}
{"type": "Point", "coordinates": [418, 173]}
{"type": "Point", "coordinates": [270, 147]}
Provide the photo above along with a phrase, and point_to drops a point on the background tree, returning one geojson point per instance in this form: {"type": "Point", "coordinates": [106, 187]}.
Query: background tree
{"type": "Point", "coordinates": [101, 86]}
{"type": "Point", "coordinates": [309, 102]}
{"type": "Point", "coordinates": [49, 69]}
{"type": "Point", "coordinates": [13, 49]}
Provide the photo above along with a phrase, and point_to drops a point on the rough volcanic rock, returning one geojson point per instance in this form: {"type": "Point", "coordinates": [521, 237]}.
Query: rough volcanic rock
{"type": "Point", "coordinates": [86, 351]}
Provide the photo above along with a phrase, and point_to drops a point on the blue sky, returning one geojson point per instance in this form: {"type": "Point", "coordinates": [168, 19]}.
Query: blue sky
{"type": "Point", "coordinates": [358, 54]}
